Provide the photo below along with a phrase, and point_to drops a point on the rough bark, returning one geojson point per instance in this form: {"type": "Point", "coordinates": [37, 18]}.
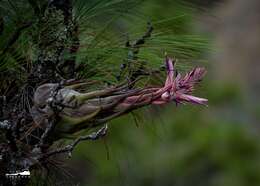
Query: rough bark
{"type": "Point", "coordinates": [57, 36]}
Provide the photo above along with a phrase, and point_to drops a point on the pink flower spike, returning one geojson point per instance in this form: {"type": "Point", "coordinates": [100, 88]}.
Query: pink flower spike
{"type": "Point", "coordinates": [180, 87]}
{"type": "Point", "coordinates": [170, 71]}
{"type": "Point", "coordinates": [175, 89]}
{"type": "Point", "coordinates": [191, 99]}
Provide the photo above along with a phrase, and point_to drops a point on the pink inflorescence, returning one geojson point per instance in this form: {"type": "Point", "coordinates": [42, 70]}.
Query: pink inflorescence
{"type": "Point", "coordinates": [176, 89]}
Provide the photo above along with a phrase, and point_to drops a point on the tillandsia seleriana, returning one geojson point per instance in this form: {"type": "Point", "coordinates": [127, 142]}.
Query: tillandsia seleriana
{"type": "Point", "coordinates": [80, 110]}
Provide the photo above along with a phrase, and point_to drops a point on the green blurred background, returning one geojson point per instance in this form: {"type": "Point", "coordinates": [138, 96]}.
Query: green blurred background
{"type": "Point", "coordinates": [189, 145]}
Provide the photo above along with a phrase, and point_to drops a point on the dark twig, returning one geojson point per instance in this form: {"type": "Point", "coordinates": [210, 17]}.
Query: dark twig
{"type": "Point", "coordinates": [141, 40]}
{"type": "Point", "coordinates": [132, 55]}
{"type": "Point", "coordinates": [69, 148]}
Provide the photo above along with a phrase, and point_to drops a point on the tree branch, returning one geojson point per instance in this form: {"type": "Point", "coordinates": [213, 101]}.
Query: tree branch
{"type": "Point", "coordinates": [69, 148]}
{"type": "Point", "coordinates": [132, 55]}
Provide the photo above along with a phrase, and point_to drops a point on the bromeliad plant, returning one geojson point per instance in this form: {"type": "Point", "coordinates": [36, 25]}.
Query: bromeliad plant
{"type": "Point", "coordinates": [51, 90]}
{"type": "Point", "coordinates": [77, 111]}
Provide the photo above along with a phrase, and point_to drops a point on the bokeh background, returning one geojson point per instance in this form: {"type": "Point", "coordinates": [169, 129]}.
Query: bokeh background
{"type": "Point", "coordinates": [218, 145]}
